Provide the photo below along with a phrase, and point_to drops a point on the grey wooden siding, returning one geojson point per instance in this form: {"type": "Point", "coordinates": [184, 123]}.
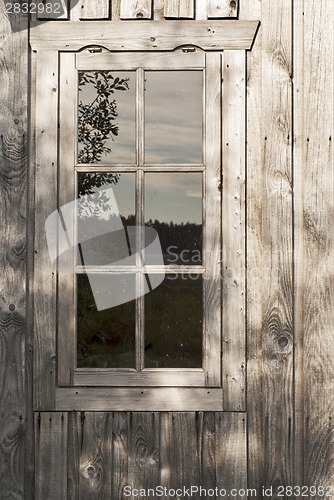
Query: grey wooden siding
{"type": "Point", "coordinates": [289, 292]}
{"type": "Point", "coordinates": [93, 455]}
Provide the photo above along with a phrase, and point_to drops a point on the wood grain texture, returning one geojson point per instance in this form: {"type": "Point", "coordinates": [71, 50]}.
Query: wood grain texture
{"type": "Point", "coordinates": [51, 455]}
{"type": "Point", "coordinates": [94, 10]}
{"type": "Point", "coordinates": [136, 9]}
{"type": "Point", "coordinates": [120, 432]}
{"type": "Point", "coordinates": [139, 399]}
{"type": "Point", "coordinates": [277, 281]}
{"type": "Point", "coordinates": [212, 235]}
{"type": "Point", "coordinates": [222, 8]}
{"type": "Point", "coordinates": [254, 217]}
{"type": "Point", "coordinates": [231, 451]}
{"type": "Point", "coordinates": [14, 373]}
{"type": "Point", "coordinates": [234, 231]}
{"type": "Point", "coordinates": [160, 35]}
{"type": "Point", "coordinates": [144, 442]}
{"type": "Point", "coordinates": [95, 460]}
{"type": "Point", "coordinates": [177, 9]}
{"type": "Point", "coordinates": [52, 9]}
{"type": "Point", "coordinates": [314, 194]}
{"type": "Point", "coordinates": [45, 204]}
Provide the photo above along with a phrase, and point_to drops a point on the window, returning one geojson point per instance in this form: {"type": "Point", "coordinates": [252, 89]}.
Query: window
{"type": "Point", "coordinates": [146, 309]}
{"type": "Point", "coordinates": [139, 258]}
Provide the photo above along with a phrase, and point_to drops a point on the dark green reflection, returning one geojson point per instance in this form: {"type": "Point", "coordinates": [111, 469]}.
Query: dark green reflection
{"type": "Point", "coordinates": [105, 339]}
{"type": "Point", "coordinates": [173, 323]}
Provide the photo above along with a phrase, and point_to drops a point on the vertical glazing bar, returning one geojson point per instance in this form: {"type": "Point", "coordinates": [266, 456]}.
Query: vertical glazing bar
{"type": "Point", "coordinates": [140, 220]}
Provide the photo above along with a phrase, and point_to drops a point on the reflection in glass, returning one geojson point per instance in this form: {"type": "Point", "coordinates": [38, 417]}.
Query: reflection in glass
{"type": "Point", "coordinates": [106, 117]}
{"type": "Point", "coordinates": [173, 207]}
{"type": "Point", "coordinates": [173, 323]}
{"type": "Point", "coordinates": [173, 116]}
{"type": "Point", "coordinates": [106, 210]}
{"type": "Point", "coordinates": [105, 339]}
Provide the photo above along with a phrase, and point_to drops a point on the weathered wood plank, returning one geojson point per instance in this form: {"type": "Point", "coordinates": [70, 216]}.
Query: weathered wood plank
{"type": "Point", "coordinates": [139, 399]}
{"type": "Point", "coordinates": [212, 235]}
{"type": "Point", "coordinates": [68, 89]}
{"type": "Point", "coordinates": [185, 466]}
{"type": "Point", "coordinates": [143, 452]}
{"type": "Point", "coordinates": [51, 456]}
{"type": "Point", "coordinates": [177, 378]}
{"type": "Point", "coordinates": [45, 204]}
{"type": "Point", "coordinates": [207, 449]}
{"type": "Point", "coordinates": [136, 9]}
{"type": "Point", "coordinates": [95, 460]}
{"type": "Point", "coordinates": [15, 375]}
{"type": "Point", "coordinates": [255, 291]}
{"type": "Point", "coordinates": [73, 452]}
{"type": "Point", "coordinates": [158, 10]}
{"type": "Point", "coordinates": [160, 35]}
{"type": "Point", "coordinates": [231, 452]}
{"type": "Point", "coordinates": [222, 8]}
{"type": "Point", "coordinates": [115, 9]}
{"type": "Point", "coordinates": [120, 470]}
{"type": "Point", "coordinates": [314, 239]}
{"type": "Point", "coordinates": [52, 9]}
{"type": "Point", "coordinates": [277, 327]}
{"type": "Point", "coordinates": [94, 10]}
{"type": "Point", "coordinates": [234, 231]}
{"type": "Point", "coordinates": [177, 9]}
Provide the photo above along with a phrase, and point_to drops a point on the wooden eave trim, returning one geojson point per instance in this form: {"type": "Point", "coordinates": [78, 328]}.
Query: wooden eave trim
{"type": "Point", "coordinates": [143, 35]}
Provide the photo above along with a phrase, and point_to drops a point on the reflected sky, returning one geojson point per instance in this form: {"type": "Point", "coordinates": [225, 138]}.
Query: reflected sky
{"type": "Point", "coordinates": [173, 197]}
{"type": "Point", "coordinates": [173, 116]}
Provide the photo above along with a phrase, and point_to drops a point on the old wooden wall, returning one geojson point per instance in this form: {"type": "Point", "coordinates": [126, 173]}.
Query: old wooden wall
{"type": "Point", "coordinates": [290, 267]}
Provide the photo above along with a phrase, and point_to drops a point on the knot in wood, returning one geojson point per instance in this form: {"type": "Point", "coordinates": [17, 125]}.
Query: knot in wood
{"type": "Point", "coordinates": [140, 15]}
{"type": "Point", "coordinates": [233, 4]}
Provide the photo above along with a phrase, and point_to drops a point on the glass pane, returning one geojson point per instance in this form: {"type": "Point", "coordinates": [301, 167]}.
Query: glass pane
{"type": "Point", "coordinates": [173, 323]}
{"type": "Point", "coordinates": [106, 218]}
{"type": "Point", "coordinates": [173, 207]}
{"type": "Point", "coordinates": [106, 117]}
{"type": "Point", "coordinates": [173, 116]}
{"type": "Point", "coordinates": [105, 337]}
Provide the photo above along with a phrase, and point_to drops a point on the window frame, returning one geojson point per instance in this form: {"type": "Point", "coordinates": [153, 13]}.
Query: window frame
{"type": "Point", "coordinates": [210, 64]}
{"type": "Point", "coordinates": [50, 391]}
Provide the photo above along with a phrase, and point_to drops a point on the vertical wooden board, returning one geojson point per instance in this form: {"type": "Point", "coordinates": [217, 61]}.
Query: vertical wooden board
{"type": "Point", "coordinates": [251, 9]}
{"type": "Point", "coordinates": [120, 434]}
{"type": "Point", "coordinates": [74, 440]}
{"type": "Point", "coordinates": [201, 10]}
{"type": "Point", "coordinates": [158, 10]}
{"type": "Point", "coordinates": [136, 9]}
{"type": "Point", "coordinates": [207, 449]}
{"type": "Point", "coordinates": [314, 194]}
{"type": "Point", "coordinates": [212, 237]}
{"type": "Point", "coordinates": [95, 460]}
{"type": "Point", "coordinates": [177, 9]}
{"type": "Point", "coordinates": [184, 449]}
{"type": "Point", "coordinates": [165, 450]}
{"type": "Point", "coordinates": [234, 231]}
{"type": "Point", "coordinates": [14, 418]}
{"type": "Point", "coordinates": [115, 10]}
{"type": "Point", "coordinates": [45, 204]}
{"type": "Point", "coordinates": [51, 455]}
{"type": "Point", "coordinates": [66, 182]}
{"type": "Point", "coordinates": [52, 9]}
{"type": "Point", "coordinates": [143, 450]}
{"type": "Point", "coordinates": [277, 327]}
{"type": "Point", "coordinates": [222, 8]}
{"type": "Point", "coordinates": [94, 10]}
{"type": "Point", "coordinates": [231, 451]}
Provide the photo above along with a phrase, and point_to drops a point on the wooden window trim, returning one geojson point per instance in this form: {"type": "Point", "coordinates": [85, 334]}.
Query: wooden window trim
{"type": "Point", "coordinates": [210, 64]}
{"type": "Point", "coordinates": [48, 395]}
